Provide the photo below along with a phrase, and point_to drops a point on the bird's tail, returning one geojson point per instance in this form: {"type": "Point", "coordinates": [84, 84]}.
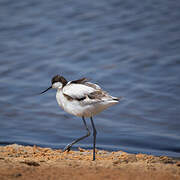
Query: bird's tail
{"type": "Point", "coordinates": [117, 98]}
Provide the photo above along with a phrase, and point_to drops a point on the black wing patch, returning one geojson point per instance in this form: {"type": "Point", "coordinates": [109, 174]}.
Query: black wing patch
{"type": "Point", "coordinates": [80, 81]}
{"type": "Point", "coordinates": [69, 98]}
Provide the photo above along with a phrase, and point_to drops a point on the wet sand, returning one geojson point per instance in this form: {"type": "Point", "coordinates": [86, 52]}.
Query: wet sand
{"type": "Point", "coordinates": [26, 162]}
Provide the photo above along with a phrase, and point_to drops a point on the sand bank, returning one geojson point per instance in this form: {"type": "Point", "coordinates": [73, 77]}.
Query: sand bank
{"type": "Point", "coordinates": [26, 162]}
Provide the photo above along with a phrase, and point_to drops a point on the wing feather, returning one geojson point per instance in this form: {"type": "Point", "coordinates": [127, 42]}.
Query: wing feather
{"type": "Point", "coordinates": [77, 91]}
{"type": "Point", "coordinates": [80, 81]}
{"type": "Point", "coordinates": [87, 92]}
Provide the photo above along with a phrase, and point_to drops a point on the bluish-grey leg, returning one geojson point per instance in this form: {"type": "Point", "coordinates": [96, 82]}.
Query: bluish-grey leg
{"type": "Point", "coordinates": [94, 141]}
{"type": "Point", "coordinates": [68, 147]}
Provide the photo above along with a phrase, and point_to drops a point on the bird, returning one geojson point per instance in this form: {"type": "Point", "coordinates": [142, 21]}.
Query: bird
{"type": "Point", "coordinates": [83, 99]}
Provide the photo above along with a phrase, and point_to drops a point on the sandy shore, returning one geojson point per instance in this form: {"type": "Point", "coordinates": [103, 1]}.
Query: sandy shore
{"type": "Point", "coordinates": [25, 162]}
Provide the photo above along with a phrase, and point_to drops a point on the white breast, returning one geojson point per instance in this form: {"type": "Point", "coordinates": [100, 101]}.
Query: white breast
{"type": "Point", "coordinates": [72, 107]}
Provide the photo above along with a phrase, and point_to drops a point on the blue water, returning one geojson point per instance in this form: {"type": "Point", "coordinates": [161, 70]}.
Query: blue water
{"type": "Point", "coordinates": [131, 49]}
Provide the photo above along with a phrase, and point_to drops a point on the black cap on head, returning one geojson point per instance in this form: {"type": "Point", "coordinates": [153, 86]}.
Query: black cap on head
{"type": "Point", "coordinates": [59, 78]}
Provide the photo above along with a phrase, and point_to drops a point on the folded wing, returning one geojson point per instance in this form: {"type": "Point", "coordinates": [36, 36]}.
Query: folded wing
{"type": "Point", "coordinates": [87, 92]}
{"type": "Point", "coordinates": [77, 91]}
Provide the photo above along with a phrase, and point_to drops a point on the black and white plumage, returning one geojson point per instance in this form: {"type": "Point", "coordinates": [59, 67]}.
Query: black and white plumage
{"type": "Point", "coordinates": [83, 99]}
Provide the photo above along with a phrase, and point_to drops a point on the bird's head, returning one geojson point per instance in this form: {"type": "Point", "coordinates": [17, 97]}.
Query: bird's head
{"type": "Point", "coordinates": [56, 82]}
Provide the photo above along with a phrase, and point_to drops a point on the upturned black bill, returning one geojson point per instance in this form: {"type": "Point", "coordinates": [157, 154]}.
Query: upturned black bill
{"type": "Point", "coordinates": [46, 90]}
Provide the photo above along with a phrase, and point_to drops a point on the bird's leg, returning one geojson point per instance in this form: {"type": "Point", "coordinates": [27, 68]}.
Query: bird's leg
{"type": "Point", "coordinates": [68, 147]}
{"type": "Point", "coordinates": [94, 135]}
